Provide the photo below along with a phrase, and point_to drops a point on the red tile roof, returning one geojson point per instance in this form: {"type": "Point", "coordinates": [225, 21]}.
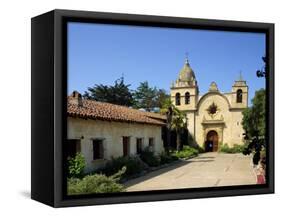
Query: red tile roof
{"type": "Point", "coordinates": [105, 111]}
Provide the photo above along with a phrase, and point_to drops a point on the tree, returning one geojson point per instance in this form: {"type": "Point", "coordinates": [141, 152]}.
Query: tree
{"type": "Point", "coordinates": [264, 70]}
{"type": "Point", "coordinates": [175, 120]}
{"type": "Point", "coordinates": [254, 125]}
{"type": "Point", "coordinates": [145, 96]}
{"type": "Point", "coordinates": [178, 125]}
{"type": "Point", "coordinates": [119, 93]}
{"type": "Point", "coordinates": [254, 120]}
{"type": "Point", "coordinates": [161, 98]}
{"type": "Point", "coordinates": [254, 117]}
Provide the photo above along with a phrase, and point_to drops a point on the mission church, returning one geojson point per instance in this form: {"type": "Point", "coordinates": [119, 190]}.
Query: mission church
{"type": "Point", "coordinates": [101, 130]}
{"type": "Point", "coordinates": [213, 118]}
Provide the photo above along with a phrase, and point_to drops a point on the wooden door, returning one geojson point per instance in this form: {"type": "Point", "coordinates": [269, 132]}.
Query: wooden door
{"type": "Point", "coordinates": [212, 137]}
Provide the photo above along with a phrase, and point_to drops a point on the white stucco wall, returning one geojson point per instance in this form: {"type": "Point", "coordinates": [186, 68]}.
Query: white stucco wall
{"type": "Point", "coordinates": [236, 127]}
{"type": "Point", "coordinates": [112, 134]}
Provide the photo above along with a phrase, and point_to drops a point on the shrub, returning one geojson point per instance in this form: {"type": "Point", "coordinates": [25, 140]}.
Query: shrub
{"type": "Point", "coordinates": [132, 163]}
{"type": "Point", "coordinates": [96, 183]}
{"type": "Point", "coordinates": [235, 149]}
{"type": "Point", "coordinates": [200, 149]}
{"type": "Point", "coordinates": [239, 148]}
{"type": "Point", "coordinates": [225, 148]}
{"type": "Point", "coordinates": [149, 158]}
{"type": "Point", "coordinates": [165, 158]}
{"type": "Point", "coordinates": [76, 166]}
{"type": "Point", "coordinates": [187, 152]}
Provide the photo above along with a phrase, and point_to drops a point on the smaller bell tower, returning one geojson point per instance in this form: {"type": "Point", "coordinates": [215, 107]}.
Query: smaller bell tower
{"type": "Point", "coordinates": [239, 93]}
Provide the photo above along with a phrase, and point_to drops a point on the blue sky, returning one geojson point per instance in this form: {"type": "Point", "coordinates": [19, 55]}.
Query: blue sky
{"type": "Point", "coordinates": [102, 53]}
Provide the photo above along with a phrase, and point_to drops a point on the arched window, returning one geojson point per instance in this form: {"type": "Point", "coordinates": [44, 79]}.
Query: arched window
{"type": "Point", "coordinates": [178, 99]}
{"type": "Point", "coordinates": [187, 98]}
{"type": "Point", "coordinates": [239, 96]}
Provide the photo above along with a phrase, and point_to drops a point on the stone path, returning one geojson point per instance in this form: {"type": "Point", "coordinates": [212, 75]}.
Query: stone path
{"type": "Point", "coordinates": [207, 170]}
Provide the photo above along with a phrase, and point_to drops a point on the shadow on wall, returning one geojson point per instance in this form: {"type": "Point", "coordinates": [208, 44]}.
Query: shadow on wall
{"type": "Point", "coordinates": [191, 142]}
{"type": "Point", "coordinates": [186, 139]}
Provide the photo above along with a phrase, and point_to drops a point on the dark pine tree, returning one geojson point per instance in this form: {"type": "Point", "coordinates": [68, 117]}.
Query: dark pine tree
{"type": "Point", "coordinates": [119, 93]}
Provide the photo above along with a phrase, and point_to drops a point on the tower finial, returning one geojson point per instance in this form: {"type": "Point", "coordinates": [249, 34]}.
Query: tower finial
{"type": "Point", "coordinates": [186, 58]}
{"type": "Point", "coordinates": [240, 76]}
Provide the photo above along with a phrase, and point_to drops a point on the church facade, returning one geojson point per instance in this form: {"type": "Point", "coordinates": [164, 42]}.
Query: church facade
{"type": "Point", "coordinates": [214, 118]}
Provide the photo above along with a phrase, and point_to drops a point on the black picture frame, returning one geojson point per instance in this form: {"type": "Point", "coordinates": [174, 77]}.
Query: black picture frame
{"type": "Point", "coordinates": [49, 82]}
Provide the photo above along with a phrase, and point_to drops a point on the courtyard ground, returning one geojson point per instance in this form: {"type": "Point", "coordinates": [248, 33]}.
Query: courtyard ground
{"type": "Point", "coordinates": [207, 170]}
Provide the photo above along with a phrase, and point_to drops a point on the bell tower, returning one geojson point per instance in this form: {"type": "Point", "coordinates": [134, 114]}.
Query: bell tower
{"type": "Point", "coordinates": [239, 93]}
{"type": "Point", "coordinates": [184, 95]}
{"type": "Point", "coordinates": [184, 91]}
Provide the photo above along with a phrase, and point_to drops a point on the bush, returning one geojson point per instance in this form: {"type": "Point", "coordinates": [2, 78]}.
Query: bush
{"type": "Point", "coordinates": [96, 183]}
{"type": "Point", "coordinates": [187, 152]}
{"type": "Point", "coordinates": [235, 149]}
{"type": "Point", "coordinates": [76, 166]}
{"type": "Point", "coordinates": [239, 148]}
{"type": "Point", "coordinates": [225, 148]}
{"type": "Point", "coordinates": [200, 149]}
{"type": "Point", "coordinates": [149, 158]}
{"type": "Point", "coordinates": [132, 163]}
{"type": "Point", "coordinates": [165, 158]}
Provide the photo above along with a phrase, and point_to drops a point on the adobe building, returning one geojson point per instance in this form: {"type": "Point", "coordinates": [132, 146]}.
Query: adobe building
{"type": "Point", "coordinates": [213, 117]}
{"type": "Point", "coordinates": [101, 130]}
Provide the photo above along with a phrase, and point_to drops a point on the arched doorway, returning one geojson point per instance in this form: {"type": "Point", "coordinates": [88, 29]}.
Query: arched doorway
{"type": "Point", "coordinates": [212, 141]}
